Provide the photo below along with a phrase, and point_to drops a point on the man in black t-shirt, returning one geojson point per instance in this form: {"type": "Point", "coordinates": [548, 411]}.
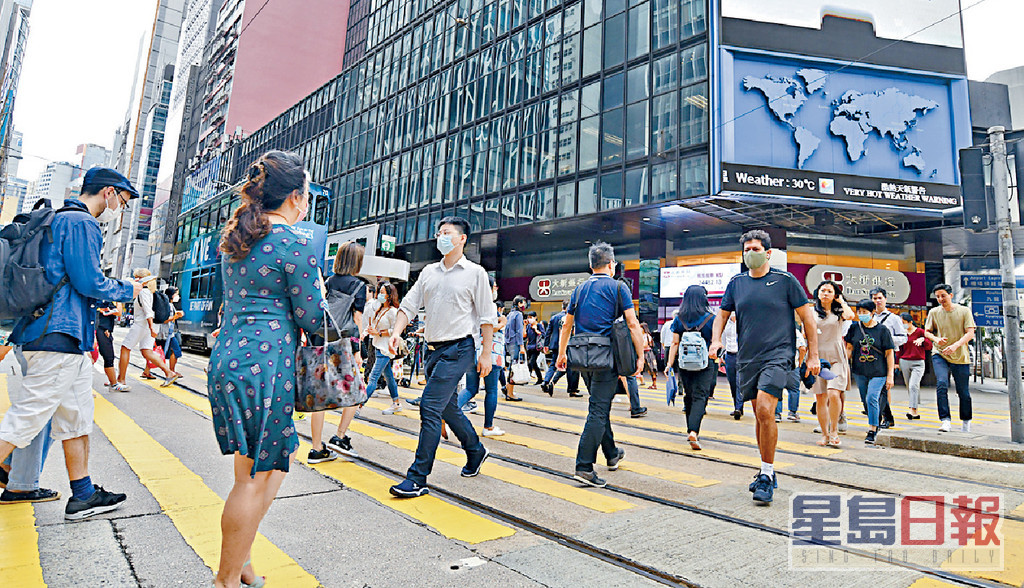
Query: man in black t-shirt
{"type": "Point", "coordinates": [764, 300]}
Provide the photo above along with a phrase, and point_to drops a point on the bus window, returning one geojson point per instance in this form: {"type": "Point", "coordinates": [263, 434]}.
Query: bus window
{"type": "Point", "coordinates": [204, 284]}
{"type": "Point", "coordinates": [193, 290]}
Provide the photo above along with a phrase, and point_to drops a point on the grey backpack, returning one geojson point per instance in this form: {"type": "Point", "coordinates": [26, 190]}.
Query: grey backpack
{"type": "Point", "coordinates": [24, 289]}
{"type": "Point", "coordinates": [693, 349]}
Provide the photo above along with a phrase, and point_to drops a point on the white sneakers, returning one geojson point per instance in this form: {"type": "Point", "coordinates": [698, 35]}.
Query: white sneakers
{"type": "Point", "coordinates": [493, 432]}
{"type": "Point", "coordinates": [946, 426]}
{"type": "Point", "coordinates": [965, 427]}
{"type": "Point", "coordinates": [392, 409]}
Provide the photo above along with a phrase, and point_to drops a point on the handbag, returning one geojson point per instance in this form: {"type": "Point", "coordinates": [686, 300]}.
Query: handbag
{"type": "Point", "coordinates": [342, 324]}
{"type": "Point", "coordinates": [520, 373]}
{"type": "Point", "coordinates": [327, 376]}
{"type": "Point", "coordinates": [623, 348]}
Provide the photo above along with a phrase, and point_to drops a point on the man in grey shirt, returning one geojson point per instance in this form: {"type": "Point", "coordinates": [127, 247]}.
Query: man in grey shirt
{"type": "Point", "coordinates": [894, 323]}
{"type": "Point", "coordinates": [457, 296]}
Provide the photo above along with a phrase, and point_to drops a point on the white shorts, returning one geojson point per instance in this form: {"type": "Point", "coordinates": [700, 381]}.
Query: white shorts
{"type": "Point", "coordinates": [139, 337]}
{"type": "Point", "coordinates": [57, 386]}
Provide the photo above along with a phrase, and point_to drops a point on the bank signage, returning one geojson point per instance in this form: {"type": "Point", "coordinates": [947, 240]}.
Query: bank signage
{"type": "Point", "coordinates": [858, 282]}
{"type": "Point", "coordinates": [556, 287]}
{"type": "Point", "coordinates": [714, 278]}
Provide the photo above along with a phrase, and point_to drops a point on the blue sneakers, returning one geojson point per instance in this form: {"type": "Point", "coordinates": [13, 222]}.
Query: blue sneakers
{"type": "Point", "coordinates": [764, 488]}
{"type": "Point", "coordinates": [473, 464]}
{"type": "Point", "coordinates": [753, 485]}
{"type": "Point", "coordinates": [409, 489]}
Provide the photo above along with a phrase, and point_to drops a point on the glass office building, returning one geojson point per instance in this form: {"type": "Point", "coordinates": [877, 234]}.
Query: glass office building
{"type": "Point", "coordinates": [504, 112]}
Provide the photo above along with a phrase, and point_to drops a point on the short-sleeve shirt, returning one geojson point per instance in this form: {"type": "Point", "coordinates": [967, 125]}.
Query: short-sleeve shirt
{"type": "Point", "coordinates": [592, 304]}
{"type": "Point", "coordinates": [103, 321]}
{"type": "Point", "coordinates": [349, 285]}
{"type": "Point", "coordinates": [679, 326]}
{"type": "Point", "coordinates": [765, 326]}
{"type": "Point", "coordinates": [952, 325]}
{"type": "Point", "coordinates": [869, 347]}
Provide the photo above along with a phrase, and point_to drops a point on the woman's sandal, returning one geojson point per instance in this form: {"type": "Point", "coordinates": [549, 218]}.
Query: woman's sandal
{"type": "Point", "coordinates": [834, 441]}
{"type": "Point", "coordinates": [259, 582]}
{"type": "Point", "coordinates": [823, 442]}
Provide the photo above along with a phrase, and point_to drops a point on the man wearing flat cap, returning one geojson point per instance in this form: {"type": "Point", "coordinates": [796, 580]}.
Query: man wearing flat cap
{"type": "Point", "coordinates": [56, 386]}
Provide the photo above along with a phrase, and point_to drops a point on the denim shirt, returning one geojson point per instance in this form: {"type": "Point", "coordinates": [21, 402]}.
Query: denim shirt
{"type": "Point", "coordinates": [75, 251]}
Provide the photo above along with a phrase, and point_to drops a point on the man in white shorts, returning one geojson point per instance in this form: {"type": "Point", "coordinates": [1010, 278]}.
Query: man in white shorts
{"type": "Point", "coordinates": [142, 335]}
{"type": "Point", "coordinates": [58, 374]}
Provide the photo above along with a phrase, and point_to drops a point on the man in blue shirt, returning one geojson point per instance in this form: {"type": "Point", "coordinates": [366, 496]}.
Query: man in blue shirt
{"type": "Point", "coordinates": [592, 306]}
{"type": "Point", "coordinates": [515, 344]}
{"type": "Point", "coordinates": [57, 373]}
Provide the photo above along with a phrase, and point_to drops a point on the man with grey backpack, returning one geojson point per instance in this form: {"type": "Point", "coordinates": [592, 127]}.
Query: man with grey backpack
{"type": "Point", "coordinates": [695, 371]}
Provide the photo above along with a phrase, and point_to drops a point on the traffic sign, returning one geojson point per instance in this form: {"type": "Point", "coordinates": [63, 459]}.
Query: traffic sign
{"type": "Point", "coordinates": [986, 296]}
{"type": "Point", "coordinates": [985, 281]}
{"type": "Point", "coordinates": [987, 314]}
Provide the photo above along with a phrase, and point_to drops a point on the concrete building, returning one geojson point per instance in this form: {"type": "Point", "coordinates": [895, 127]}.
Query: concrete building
{"type": "Point", "coordinates": [52, 184]}
{"type": "Point", "coordinates": [14, 195]}
{"type": "Point", "coordinates": [91, 155]}
{"type": "Point", "coordinates": [1013, 79]}
{"type": "Point", "coordinates": [257, 70]}
{"type": "Point", "coordinates": [10, 201]}
{"type": "Point", "coordinates": [14, 28]}
{"type": "Point", "coordinates": [139, 141]}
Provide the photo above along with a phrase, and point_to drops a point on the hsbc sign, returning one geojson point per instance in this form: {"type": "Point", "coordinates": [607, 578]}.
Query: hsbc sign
{"type": "Point", "coordinates": [858, 282]}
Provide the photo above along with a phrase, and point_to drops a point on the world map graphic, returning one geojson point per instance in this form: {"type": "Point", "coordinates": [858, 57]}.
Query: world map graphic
{"type": "Point", "coordinates": [855, 117]}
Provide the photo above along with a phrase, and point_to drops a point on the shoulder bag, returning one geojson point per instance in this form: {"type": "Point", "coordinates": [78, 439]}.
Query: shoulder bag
{"type": "Point", "coordinates": [327, 376]}
{"type": "Point", "coordinates": [623, 348]}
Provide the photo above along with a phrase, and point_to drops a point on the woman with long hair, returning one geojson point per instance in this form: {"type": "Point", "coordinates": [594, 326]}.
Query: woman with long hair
{"type": "Point", "coordinates": [830, 310]}
{"type": "Point", "coordinates": [271, 292]}
{"type": "Point", "coordinates": [348, 261]}
{"type": "Point", "coordinates": [694, 317]}
{"type": "Point", "coordinates": [650, 362]}
{"type": "Point", "coordinates": [379, 327]}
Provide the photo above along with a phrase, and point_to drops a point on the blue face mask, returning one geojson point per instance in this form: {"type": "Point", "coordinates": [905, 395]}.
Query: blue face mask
{"type": "Point", "coordinates": [444, 244]}
{"type": "Point", "coordinates": [865, 318]}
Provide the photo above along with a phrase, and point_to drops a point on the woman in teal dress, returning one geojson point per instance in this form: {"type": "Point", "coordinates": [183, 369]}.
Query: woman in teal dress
{"type": "Point", "coordinates": [271, 291]}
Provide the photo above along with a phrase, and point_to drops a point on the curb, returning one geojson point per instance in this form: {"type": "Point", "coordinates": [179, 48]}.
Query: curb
{"type": "Point", "coordinates": [985, 448]}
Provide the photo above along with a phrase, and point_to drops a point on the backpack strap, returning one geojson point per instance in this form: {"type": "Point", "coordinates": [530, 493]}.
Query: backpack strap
{"type": "Point", "coordinates": [701, 326]}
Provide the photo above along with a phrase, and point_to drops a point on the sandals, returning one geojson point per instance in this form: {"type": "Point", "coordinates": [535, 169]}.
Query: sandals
{"type": "Point", "coordinates": [834, 441]}
{"type": "Point", "coordinates": [823, 442]}
{"type": "Point", "coordinates": [259, 582]}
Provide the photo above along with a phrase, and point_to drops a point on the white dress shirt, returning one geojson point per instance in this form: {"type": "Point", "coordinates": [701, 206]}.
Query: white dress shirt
{"type": "Point", "coordinates": [457, 301]}
{"type": "Point", "coordinates": [895, 326]}
{"type": "Point", "coordinates": [729, 339]}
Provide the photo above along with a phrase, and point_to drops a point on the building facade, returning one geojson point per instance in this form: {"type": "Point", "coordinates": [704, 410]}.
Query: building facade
{"type": "Point", "coordinates": [550, 125]}
{"type": "Point", "coordinates": [14, 26]}
{"type": "Point", "coordinates": [52, 184]}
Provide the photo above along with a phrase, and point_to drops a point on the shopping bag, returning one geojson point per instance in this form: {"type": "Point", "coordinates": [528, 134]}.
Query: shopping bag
{"type": "Point", "coordinates": [671, 389]}
{"type": "Point", "coordinates": [520, 374]}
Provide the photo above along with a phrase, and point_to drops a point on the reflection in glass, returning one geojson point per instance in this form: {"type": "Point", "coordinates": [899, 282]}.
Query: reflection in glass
{"type": "Point", "coordinates": [694, 114]}
{"type": "Point", "coordinates": [614, 40]}
{"type": "Point", "coordinates": [636, 84]}
{"type": "Point", "coordinates": [571, 59]}
{"type": "Point", "coordinates": [694, 176]}
{"type": "Point", "coordinates": [588, 143]}
{"type": "Point", "coordinates": [592, 51]}
{"type": "Point", "coordinates": [587, 201]}
{"type": "Point", "coordinates": [636, 186]}
{"type": "Point", "coordinates": [613, 87]}
{"type": "Point", "coordinates": [637, 130]}
{"type": "Point", "coordinates": [693, 17]}
{"type": "Point", "coordinates": [694, 64]}
{"type": "Point", "coordinates": [611, 137]}
{"type": "Point", "coordinates": [664, 123]}
{"type": "Point", "coordinates": [567, 149]}
{"type": "Point", "coordinates": [566, 200]}
{"type": "Point", "coordinates": [639, 35]}
{"type": "Point", "coordinates": [545, 204]}
{"type": "Point", "coordinates": [611, 191]}
{"type": "Point", "coordinates": [665, 23]}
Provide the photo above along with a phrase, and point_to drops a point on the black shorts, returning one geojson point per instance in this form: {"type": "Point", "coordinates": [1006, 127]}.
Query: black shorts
{"type": "Point", "coordinates": [771, 376]}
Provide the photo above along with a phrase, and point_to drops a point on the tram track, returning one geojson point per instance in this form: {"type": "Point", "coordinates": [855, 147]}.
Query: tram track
{"type": "Point", "coordinates": [621, 561]}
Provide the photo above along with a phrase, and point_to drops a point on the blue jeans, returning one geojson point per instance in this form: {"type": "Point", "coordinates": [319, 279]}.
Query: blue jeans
{"type": "Point", "coordinates": [730, 374]}
{"type": "Point", "coordinates": [490, 392]}
{"type": "Point", "coordinates": [961, 373]}
{"type": "Point", "coordinates": [27, 463]}
{"type": "Point", "coordinates": [597, 432]}
{"type": "Point", "coordinates": [445, 367]}
{"type": "Point", "coordinates": [793, 390]}
{"type": "Point", "coordinates": [552, 374]}
{"type": "Point", "coordinates": [870, 389]}
{"type": "Point", "coordinates": [633, 391]}
{"type": "Point", "coordinates": [172, 345]}
{"type": "Point", "coordinates": [382, 366]}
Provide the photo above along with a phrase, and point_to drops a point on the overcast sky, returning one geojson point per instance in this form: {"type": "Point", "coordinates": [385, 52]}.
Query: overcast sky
{"type": "Point", "coordinates": [81, 56]}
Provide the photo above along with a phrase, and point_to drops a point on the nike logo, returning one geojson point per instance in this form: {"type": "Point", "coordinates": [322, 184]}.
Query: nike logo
{"type": "Point", "coordinates": [770, 283]}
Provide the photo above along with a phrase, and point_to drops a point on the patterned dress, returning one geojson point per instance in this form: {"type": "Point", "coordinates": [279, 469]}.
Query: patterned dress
{"type": "Point", "coordinates": [268, 297]}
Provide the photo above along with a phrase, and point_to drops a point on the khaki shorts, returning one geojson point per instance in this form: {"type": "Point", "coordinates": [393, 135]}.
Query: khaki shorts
{"type": "Point", "coordinates": [139, 337]}
{"type": "Point", "coordinates": [57, 386]}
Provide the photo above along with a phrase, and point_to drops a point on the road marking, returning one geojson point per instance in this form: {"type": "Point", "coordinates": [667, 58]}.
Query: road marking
{"type": "Point", "coordinates": [1013, 554]}
{"type": "Point", "coordinates": [784, 445]}
{"type": "Point", "coordinates": [191, 505]}
{"type": "Point", "coordinates": [561, 450]}
{"type": "Point", "coordinates": [19, 558]}
{"type": "Point", "coordinates": [586, 498]}
{"type": "Point", "coordinates": [447, 519]}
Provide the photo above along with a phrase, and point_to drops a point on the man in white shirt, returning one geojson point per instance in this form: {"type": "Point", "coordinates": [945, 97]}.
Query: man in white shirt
{"type": "Point", "coordinates": [894, 323]}
{"type": "Point", "coordinates": [457, 296]}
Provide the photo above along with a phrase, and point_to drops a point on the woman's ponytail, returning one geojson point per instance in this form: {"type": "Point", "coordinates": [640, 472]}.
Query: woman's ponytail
{"type": "Point", "coordinates": [270, 181]}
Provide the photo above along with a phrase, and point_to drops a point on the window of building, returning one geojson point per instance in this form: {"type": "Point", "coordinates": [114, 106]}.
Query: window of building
{"type": "Point", "coordinates": [611, 191]}
{"type": "Point", "coordinates": [639, 34]}
{"type": "Point", "coordinates": [611, 137]}
{"type": "Point", "coordinates": [587, 201]}
{"type": "Point", "coordinates": [614, 40]}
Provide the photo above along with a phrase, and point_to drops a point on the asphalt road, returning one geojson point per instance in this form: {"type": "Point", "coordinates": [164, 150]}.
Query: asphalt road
{"type": "Point", "coordinates": [670, 516]}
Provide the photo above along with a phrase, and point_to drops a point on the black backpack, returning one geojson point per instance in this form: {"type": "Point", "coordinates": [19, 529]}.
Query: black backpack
{"type": "Point", "coordinates": [161, 308]}
{"type": "Point", "coordinates": [24, 289]}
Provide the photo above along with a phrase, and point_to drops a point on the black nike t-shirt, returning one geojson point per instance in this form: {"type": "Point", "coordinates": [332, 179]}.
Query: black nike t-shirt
{"type": "Point", "coordinates": [765, 325]}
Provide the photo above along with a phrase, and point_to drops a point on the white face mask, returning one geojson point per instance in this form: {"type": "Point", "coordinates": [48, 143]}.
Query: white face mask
{"type": "Point", "coordinates": [109, 214]}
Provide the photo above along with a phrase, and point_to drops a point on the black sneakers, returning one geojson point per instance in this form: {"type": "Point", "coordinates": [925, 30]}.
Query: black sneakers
{"type": "Point", "coordinates": [100, 502]}
{"type": "Point", "coordinates": [320, 456]}
{"type": "Point", "coordinates": [473, 464]}
{"type": "Point", "coordinates": [408, 489]}
{"type": "Point", "coordinates": [640, 413]}
{"type": "Point", "coordinates": [613, 463]}
{"type": "Point", "coordinates": [342, 445]}
{"type": "Point", "coordinates": [870, 439]}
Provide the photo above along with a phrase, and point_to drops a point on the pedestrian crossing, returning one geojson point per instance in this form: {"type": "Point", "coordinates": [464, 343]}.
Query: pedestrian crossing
{"type": "Point", "coordinates": [19, 558]}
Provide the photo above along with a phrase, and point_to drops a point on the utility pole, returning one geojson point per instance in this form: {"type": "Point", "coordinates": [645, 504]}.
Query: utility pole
{"type": "Point", "coordinates": [1011, 308]}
